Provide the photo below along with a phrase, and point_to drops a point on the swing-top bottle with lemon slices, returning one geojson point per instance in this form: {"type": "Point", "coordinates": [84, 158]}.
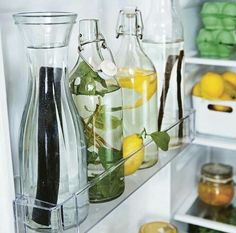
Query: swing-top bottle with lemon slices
{"type": "Point", "coordinates": [138, 80]}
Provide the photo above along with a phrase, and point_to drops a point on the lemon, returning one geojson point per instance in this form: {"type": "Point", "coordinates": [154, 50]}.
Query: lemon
{"type": "Point", "coordinates": [212, 85]}
{"type": "Point", "coordinates": [131, 144]}
{"type": "Point", "coordinates": [230, 77]}
{"type": "Point", "coordinates": [222, 108]}
{"type": "Point", "coordinates": [229, 89]}
{"type": "Point", "coordinates": [141, 81]}
{"type": "Point", "coordinates": [225, 96]}
{"type": "Point", "coordinates": [197, 90]}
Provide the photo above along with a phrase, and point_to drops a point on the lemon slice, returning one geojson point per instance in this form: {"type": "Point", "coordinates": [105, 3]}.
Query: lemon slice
{"type": "Point", "coordinates": [142, 82]}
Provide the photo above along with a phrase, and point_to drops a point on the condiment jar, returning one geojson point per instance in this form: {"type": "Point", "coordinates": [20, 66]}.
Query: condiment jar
{"type": "Point", "coordinates": [216, 186]}
{"type": "Point", "coordinates": [158, 227]}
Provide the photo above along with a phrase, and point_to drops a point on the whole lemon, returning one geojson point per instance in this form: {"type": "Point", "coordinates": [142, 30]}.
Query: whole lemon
{"type": "Point", "coordinates": [225, 96]}
{"type": "Point", "coordinates": [131, 144]}
{"type": "Point", "coordinates": [197, 90]}
{"type": "Point", "coordinates": [230, 77]}
{"type": "Point", "coordinates": [212, 85]}
{"type": "Point", "coordinates": [229, 89]}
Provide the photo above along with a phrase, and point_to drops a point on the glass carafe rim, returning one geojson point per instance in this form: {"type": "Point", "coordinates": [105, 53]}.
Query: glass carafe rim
{"type": "Point", "coordinates": [42, 17]}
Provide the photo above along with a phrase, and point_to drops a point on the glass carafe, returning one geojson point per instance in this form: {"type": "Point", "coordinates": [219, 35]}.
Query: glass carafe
{"type": "Point", "coordinates": [163, 42]}
{"type": "Point", "coordinates": [138, 79]}
{"type": "Point", "coordinates": [52, 146]}
{"type": "Point", "coordinates": [98, 99]}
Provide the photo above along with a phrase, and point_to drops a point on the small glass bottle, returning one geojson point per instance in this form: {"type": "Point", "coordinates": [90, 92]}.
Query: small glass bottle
{"type": "Point", "coordinates": [52, 145]}
{"type": "Point", "coordinates": [98, 99]}
{"type": "Point", "coordinates": [216, 186]}
{"type": "Point", "coordinates": [138, 79]}
{"type": "Point", "coordinates": [163, 42]}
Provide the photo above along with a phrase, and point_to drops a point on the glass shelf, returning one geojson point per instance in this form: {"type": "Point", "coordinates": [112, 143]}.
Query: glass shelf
{"type": "Point", "coordinates": [215, 141]}
{"type": "Point", "coordinates": [59, 223]}
{"type": "Point", "coordinates": [195, 212]}
{"type": "Point", "coordinates": [194, 58]}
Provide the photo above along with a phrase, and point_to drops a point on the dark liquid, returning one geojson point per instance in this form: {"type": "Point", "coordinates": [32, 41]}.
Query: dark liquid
{"type": "Point", "coordinates": [48, 142]}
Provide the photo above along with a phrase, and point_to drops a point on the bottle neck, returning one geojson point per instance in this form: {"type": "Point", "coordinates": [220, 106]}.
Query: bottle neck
{"type": "Point", "coordinates": [91, 54]}
{"type": "Point", "coordinates": [163, 24]}
{"type": "Point", "coordinates": [160, 5]}
{"type": "Point", "coordinates": [130, 42]}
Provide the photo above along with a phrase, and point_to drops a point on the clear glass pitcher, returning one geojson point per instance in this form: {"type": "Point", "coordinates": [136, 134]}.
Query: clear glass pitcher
{"type": "Point", "coordinates": [52, 146]}
{"type": "Point", "coordinates": [138, 79]}
{"type": "Point", "coordinates": [163, 41]}
{"type": "Point", "coordinates": [98, 99]}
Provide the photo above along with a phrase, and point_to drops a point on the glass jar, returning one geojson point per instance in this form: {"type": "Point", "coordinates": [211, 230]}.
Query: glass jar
{"type": "Point", "coordinates": [138, 79]}
{"type": "Point", "coordinates": [216, 186]}
{"type": "Point", "coordinates": [98, 98]}
{"type": "Point", "coordinates": [158, 227]}
{"type": "Point", "coordinates": [163, 41]}
{"type": "Point", "coordinates": [52, 146]}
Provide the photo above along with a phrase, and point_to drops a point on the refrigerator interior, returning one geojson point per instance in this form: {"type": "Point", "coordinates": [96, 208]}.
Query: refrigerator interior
{"type": "Point", "coordinates": [163, 193]}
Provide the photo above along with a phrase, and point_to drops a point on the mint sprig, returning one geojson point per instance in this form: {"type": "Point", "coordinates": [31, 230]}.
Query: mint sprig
{"type": "Point", "coordinates": [161, 138]}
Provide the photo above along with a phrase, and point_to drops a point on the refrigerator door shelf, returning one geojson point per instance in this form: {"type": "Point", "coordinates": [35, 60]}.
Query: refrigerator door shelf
{"type": "Point", "coordinates": [27, 209]}
{"type": "Point", "coordinates": [25, 206]}
{"type": "Point", "coordinates": [133, 182]}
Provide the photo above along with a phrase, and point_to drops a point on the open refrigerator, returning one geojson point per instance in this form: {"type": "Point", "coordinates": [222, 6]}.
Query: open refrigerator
{"type": "Point", "coordinates": [165, 192]}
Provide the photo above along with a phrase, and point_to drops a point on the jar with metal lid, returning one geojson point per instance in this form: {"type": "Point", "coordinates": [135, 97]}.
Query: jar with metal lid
{"type": "Point", "coordinates": [216, 186]}
{"type": "Point", "coordinates": [158, 227]}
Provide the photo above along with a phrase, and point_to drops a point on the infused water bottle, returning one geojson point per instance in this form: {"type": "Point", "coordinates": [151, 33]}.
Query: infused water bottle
{"type": "Point", "coordinates": [138, 79]}
{"type": "Point", "coordinates": [163, 42]}
{"type": "Point", "coordinates": [52, 144]}
{"type": "Point", "coordinates": [98, 98]}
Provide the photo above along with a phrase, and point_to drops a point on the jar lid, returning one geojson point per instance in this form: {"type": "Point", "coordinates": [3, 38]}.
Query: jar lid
{"type": "Point", "coordinates": [217, 171]}
{"type": "Point", "coordinates": [158, 227]}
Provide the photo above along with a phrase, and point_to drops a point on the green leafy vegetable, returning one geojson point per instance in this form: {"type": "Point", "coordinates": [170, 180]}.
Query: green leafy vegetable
{"type": "Point", "coordinates": [198, 229]}
{"type": "Point", "coordinates": [161, 139]}
{"type": "Point", "coordinates": [88, 79]}
{"type": "Point", "coordinates": [112, 185]}
{"type": "Point", "coordinates": [103, 118]}
{"type": "Point", "coordinates": [108, 157]}
{"type": "Point", "coordinates": [91, 157]}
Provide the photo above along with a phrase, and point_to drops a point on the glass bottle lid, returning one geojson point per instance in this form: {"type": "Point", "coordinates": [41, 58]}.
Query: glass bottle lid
{"type": "Point", "coordinates": [217, 171]}
{"type": "Point", "coordinates": [130, 22]}
{"type": "Point", "coordinates": [158, 227]}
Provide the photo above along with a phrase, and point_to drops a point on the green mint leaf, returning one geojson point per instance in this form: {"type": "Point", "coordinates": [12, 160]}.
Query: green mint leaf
{"type": "Point", "coordinates": [91, 157]}
{"type": "Point", "coordinates": [161, 139]}
{"type": "Point", "coordinates": [83, 70]}
{"type": "Point", "coordinates": [87, 86]}
{"type": "Point", "coordinates": [108, 157]}
{"type": "Point", "coordinates": [104, 118]}
{"type": "Point", "coordinates": [86, 73]}
{"type": "Point", "coordinates": [100, 80]}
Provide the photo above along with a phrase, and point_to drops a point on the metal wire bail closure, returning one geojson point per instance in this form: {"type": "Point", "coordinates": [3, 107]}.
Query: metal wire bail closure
{"type": "Point", "coordinates": [103, 45]}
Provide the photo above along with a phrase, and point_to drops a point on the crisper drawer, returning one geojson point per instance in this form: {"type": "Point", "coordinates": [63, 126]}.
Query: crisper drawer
{"type": "Point", "coordinates": [189, 208]}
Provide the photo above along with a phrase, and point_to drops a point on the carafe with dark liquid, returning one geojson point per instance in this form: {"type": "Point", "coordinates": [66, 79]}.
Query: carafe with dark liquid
{"type": "Point", "coordinates": [52, 146]}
